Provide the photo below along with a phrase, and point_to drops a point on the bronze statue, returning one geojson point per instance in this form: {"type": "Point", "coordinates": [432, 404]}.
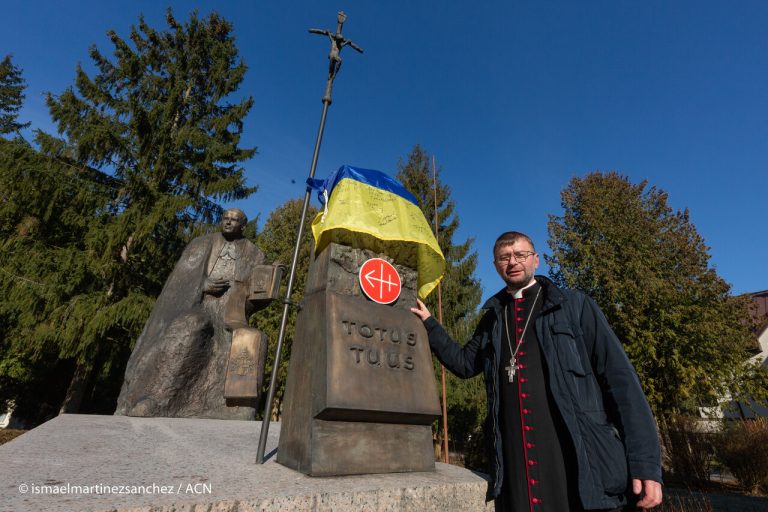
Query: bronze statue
{"type": "Point", "coordinates": [198, 337]}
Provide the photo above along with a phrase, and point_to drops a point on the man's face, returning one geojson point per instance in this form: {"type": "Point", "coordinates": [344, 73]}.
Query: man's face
{"type": "Point", "coordinates": [516, 273]}
{"type": "Point", "coordinates": [232, 223]}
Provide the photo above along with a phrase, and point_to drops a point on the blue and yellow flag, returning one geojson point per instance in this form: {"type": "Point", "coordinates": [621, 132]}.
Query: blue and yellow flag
{"type": "Point", "coordinates": [367, 208]}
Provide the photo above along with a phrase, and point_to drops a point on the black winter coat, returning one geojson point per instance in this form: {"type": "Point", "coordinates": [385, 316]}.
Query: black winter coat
{"type": "Point", "coordinates": [593, 384]}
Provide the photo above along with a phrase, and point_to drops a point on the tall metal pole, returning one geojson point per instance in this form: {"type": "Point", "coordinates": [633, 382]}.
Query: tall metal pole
{"type": "Point", "coordinates": [337, 43]}
{"type": "Point", "coordinates": [440, 319]}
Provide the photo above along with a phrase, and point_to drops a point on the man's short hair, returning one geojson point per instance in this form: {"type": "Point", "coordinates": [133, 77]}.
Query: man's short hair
{"type": "Point", "coordinates": [509, 238]}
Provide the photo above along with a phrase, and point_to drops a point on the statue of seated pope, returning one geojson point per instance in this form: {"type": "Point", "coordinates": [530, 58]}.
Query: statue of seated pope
{"type": "Point", "coordinates": [179, 363]}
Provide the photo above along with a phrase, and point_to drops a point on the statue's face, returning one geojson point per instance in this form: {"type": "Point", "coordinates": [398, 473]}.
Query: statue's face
{"type": "Point", "coordinates": [232, 223]}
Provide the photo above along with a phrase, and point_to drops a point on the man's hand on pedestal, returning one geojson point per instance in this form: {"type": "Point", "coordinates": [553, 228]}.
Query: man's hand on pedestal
{"type": "Point", "coordinates": [421, 310]}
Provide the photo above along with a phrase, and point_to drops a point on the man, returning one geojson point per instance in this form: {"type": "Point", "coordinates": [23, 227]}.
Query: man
{"type": "Point", "coordinates": [568, 425]}
{"type": "Point", "coordinates": [179, 363]}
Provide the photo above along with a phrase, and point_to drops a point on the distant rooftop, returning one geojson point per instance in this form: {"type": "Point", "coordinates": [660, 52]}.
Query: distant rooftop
{"type": "Point", "coordinates": [760, 310]}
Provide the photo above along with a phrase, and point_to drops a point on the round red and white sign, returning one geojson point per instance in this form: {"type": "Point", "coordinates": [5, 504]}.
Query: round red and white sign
{"type": "Point", "coordinates": [379, 281]}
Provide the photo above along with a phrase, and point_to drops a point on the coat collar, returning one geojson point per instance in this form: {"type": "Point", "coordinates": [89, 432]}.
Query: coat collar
{"type": "Point", "coordinates": [553, 296]}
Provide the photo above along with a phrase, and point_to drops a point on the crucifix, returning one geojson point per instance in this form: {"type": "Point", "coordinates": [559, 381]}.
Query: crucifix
{"type": "Point", "coordinates": [512, 368]}
{"type": "Point", "coordinates": [338, 42]}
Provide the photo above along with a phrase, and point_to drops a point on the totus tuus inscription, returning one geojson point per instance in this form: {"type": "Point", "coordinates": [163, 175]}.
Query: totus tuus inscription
{"type": "Point", "coordinates": [380, 346]}
{"type": "Point", "coordinates": [378, 358]}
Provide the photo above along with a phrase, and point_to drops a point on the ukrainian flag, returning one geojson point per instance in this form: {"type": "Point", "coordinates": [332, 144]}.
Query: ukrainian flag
{"type": "Point", "coordinates": [368, 209]}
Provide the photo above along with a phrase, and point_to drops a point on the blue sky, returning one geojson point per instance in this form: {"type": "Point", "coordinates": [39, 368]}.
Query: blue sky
{"type": "Point", "coordinates": [513, 99]}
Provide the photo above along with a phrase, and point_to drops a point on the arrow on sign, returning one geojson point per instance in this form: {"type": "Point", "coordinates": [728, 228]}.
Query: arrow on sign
{"type": "Point", "coordinates": [380, 281]}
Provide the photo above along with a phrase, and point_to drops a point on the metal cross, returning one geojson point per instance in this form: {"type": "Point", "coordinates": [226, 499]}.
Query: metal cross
{"type": "Point", "coordinates": [512, 368]}
{"type": "Point", "coordinates": [337, 43]}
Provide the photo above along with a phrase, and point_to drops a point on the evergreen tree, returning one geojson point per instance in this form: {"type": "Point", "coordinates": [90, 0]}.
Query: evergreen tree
{"type": "Point", "coordinates": [156, 126]}
{"type": "Point", "coordinates": [277, 240]}
{"type": "Point", "coordinates": [48, 206]}
{"type": "Point", "coordinates": [461, 292]}
{"type": "Point", "coordinates": [47, 212]}
{"type": "Point", "coordinates": [648, 269]}
{"type": "Point", "coordinates": [12, 87]}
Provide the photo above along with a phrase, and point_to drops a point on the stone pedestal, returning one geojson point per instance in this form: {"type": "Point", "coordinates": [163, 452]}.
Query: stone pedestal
{"type": "Point", "coordinates": [127, 464]}
{"type": "Point", "coordinates": [361, 393]}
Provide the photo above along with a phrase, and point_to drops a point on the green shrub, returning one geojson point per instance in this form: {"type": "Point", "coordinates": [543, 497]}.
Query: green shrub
{"type": "Point", "coordinates": [690, 452]}
{"type": "Point", "coordinates": [475, 454]}
{"type": "Point", "coordinates": [744, 451]}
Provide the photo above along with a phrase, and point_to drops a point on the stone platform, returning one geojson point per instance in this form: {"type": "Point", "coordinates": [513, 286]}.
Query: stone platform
{"type": "Point", "coordinates": [118, 463]}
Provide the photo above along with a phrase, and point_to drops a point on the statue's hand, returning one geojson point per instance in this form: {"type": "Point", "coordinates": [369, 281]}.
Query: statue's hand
{"type": "Point", "coordinates": [215, 286]}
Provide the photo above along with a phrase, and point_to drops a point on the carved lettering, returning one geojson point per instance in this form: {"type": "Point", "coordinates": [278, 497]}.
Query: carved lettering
{"type": "Point", "coordinates": [375, 356]}
{"type": "Point", "coordinates": [382, 334]}
{"type": "Point", "coordinates": [373, 360]}
{"type": "Point", "coordinates": [348, 325]}
{"type": "Point", "coordinates": [357, 350]}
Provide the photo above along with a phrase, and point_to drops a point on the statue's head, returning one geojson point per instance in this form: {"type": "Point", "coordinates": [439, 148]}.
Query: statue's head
{"type": "Point", "coordinates": [232, 223]}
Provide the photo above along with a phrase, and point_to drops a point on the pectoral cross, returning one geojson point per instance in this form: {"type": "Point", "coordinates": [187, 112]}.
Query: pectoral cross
{"type": "Point", "coordinates": [512, 368]}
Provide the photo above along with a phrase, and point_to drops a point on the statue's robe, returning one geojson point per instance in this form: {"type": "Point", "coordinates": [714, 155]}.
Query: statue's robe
{"type": "Point", "coordinates": [178, 366]}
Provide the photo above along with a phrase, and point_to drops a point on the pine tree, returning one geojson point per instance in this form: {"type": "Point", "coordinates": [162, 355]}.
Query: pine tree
{"type": "Point", "coordinates": [12, 87]}
{"type": "Point", "coordinates": [648, 269]}
{"type": "Point", "coordinates": [155, 125]}
{"type": "Point", "coordinates": [47, 212]}
{"type": "Point", "coordinates": [460, 289]}
{"type": "Point", "coordinates": [47, 209]}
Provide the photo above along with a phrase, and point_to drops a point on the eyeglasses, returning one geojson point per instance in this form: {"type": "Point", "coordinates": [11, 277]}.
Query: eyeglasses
{"type": "Point", "coordinates": [519, 257]}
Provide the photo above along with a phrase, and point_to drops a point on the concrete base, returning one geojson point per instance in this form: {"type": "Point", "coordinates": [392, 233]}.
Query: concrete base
{"type": "Point", "coordinates": [120, 463]}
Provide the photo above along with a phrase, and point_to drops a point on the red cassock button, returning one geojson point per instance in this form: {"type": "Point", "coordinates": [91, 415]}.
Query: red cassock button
{"type": "Point", "coordinates": [523, 379]}
{"type": "Point", "coordinates": [521, 366]}
{"type": "Point", "coordinates": [524, 395]}
{"type": "Point", "coordinates": [533, 482]}
{"type": "Point", "coordinates": [519, 319]}
{"type": "Point", "coordinates": [535, 500]}
{"type": "Point", "coordinates": [521, 353]}
{"type": "Point", "coordinates": [531, 462]}
{"type": "Point", "coordinates": [529, 445]}
{"type": "Point", "coordinates": [528, 428]}
{"type": "Point", "coordinates": [526, 411]}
